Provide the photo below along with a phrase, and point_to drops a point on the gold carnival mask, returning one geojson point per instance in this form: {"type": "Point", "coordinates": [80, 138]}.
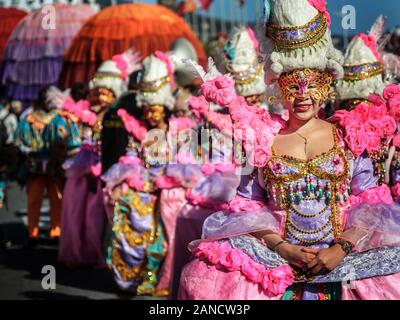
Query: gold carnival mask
{"type": "Point", "coordinates": [306, 83]}
{"type": "Point", "coordinates": [100, 98]}
{"type": "Point", "coordinates": [154, 114]}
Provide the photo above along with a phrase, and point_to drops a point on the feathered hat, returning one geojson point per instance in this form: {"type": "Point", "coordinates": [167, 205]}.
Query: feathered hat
{"type": "Point", "coordinates": [363, 65]}
{"type": "Point", "coordinates": [156, 85]}
{"type": "Point", "coordinates": [298, 37]}
{"type": "Point", "coordinates": [241, 61]}
{"type": "Point", "coordinates": [114, 74]}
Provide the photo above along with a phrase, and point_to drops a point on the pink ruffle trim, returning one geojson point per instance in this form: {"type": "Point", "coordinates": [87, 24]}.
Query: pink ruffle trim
{"type": "Point", "coordinates": [375, 195]}
{"type": "Point", "coordinates": [132, 125]}
{"type": "Point", "coordinates": [221, 254]}
{"type": "Point", "coordinates": [242, 204]}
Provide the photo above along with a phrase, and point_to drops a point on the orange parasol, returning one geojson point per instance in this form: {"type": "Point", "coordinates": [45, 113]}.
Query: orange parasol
{"type": "Point", "coordinates": [9, 18]}
{"type": "Point", "coordinates": [145, 27]}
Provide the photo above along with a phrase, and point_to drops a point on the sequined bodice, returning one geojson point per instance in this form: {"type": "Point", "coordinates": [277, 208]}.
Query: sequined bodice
{"type": "Point", "coordinates": [311, 192]}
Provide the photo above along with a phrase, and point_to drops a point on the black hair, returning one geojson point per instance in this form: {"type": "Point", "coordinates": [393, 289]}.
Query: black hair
{"type": "Point", "coordinates": [134, 80]}
{"type": "Point", "coordinates": [79, 91]}
{"type": "Point", "coordinates": [41, 100]}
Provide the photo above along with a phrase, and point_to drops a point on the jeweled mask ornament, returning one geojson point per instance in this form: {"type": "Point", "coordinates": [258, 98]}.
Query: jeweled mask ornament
{"type": "Point", "coordinates": [306, 83]}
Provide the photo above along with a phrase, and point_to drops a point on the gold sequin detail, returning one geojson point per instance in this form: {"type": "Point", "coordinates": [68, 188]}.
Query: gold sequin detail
{"type": "Point", "coordinates": [307, 167]}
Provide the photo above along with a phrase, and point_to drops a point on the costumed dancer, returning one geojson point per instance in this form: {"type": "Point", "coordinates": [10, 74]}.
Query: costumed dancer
{"type": "Point", "coordinates": [84, 216]}
{"type": "Point", "coordinates": [132, 185]}
{"type": "Point", "coordinates": [62, 133]}
{"type": "Point", "coordinates": [31, 139]}
{"type": "Point", "coordinates": [219, 167]}
{"type": "Point", "coordinates": [361, 95]}
{"type": "Point", "coordinates": [325, 220]}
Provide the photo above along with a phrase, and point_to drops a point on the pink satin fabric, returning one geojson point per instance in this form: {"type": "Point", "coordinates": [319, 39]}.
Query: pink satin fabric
{"type": "Point", "coordinates": [171, 203]}
{"type": "Point", "coordinates": [378, 288]}
{"type": "Point", "coordinates": [188, 228]}
{"type": "Point", "coordinates": [201, 281]}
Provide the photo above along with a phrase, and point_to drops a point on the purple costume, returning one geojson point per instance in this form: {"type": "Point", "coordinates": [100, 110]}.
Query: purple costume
{"type": "Point", "coordinates": [308, 204]}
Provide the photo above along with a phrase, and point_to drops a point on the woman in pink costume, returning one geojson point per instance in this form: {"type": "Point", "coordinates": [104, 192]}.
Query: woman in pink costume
{"type": "Point", "coordinates": [326, 229]}
{"type": "Point", "coordinates": [83, 212]}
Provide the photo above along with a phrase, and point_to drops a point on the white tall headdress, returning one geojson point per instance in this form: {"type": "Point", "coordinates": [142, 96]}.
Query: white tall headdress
{"type": "Point", "coordinates": [363, 65]}
{"type": "Point", "coordinates": [156, 85]}
{"type": "Point", "coordinates": [299, 38]}
{"type": "Point", "coordinates": [241, 54]}
{"type": "Point", "coordinates": [114, 74]}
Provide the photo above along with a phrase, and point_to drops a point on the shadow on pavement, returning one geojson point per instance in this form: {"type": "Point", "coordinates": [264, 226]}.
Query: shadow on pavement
{"type": "Point", "coordinates": [32, 261]}
{"type": "Point", "coordinates": [50, 295]}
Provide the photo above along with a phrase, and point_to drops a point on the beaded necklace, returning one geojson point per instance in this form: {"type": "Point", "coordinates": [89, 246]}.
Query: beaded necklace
{"type": "Point", "coordinates": [335, 192]}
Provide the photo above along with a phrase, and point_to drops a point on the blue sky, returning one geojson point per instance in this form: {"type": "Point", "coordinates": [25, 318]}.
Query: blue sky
{"type": "Point", "coordinates": [367, 11]}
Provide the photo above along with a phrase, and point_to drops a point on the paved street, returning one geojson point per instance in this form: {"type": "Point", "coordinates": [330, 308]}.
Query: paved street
{"type": "Point", "coordinates": [20, 269]}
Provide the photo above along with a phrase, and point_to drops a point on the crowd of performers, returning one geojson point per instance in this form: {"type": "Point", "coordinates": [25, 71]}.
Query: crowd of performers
{"type": "Point", "coordinates": [275, 178]}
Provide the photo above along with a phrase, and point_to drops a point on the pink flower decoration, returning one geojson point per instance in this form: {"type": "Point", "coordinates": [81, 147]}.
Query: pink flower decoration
{"type": "Point", "coordinates": [221, 90]}
{"type": "Point", "coordinates": [389, 126]}
{"type": "Point", "coordinates": [222, 122]}
{"type": "Point", "coordinates": [396, 140]}
{"type": "Point", "coordinates": [88, 117]}
{"type": "Point", "coordinates": [170, 67]}
{"type": "Point", "coordinates": [374, 127]}
{"type": "Point", "coordinates": [232, 260]}
{"type": "Point", "coordinates": [96, 170]}
{"type": "Point", "coordinates": [391, 91]}
{"type": "Point", "coordinates": [356, 137]}
{"type": "Point", "coordinates": [260, 156]}
{"type": "Point", "coordinates": [199, 105]}
{"type": "Point", "coordinates": [242, 204]}
{"type": "Point", "coordinates": [253, 270]}
{"type": "Point", "coordinates": [122, 65]}
{"type": "Point", "coordinates": [377, 101]}
{"type": "Point", "coordinates": [279, 279]}
{"type": "Point", "coordinates": [274, 281]}
{"type": "Point", "coordinates": [132, 125]}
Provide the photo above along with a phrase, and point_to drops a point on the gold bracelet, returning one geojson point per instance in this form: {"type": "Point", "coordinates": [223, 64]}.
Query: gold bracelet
{"type": "Point", "coordinates": [278, 244]}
